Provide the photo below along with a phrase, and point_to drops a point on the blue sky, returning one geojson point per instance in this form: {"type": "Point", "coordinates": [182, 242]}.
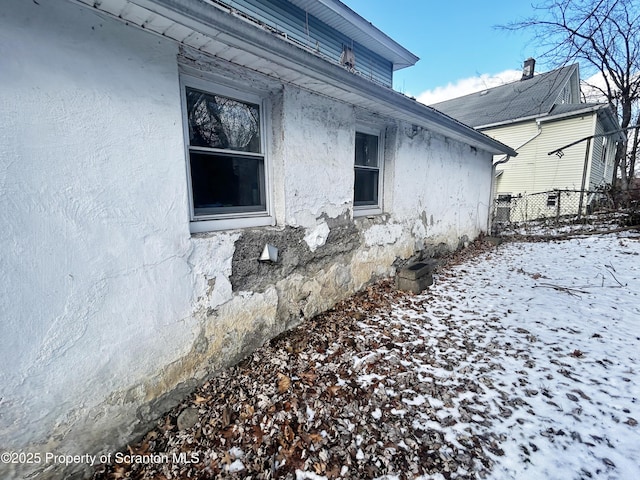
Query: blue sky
{"type": "Point", "coordinates": [459, 48]}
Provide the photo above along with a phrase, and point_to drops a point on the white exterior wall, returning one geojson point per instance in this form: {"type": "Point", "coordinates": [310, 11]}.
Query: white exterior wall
{"type": "Point", "coordinates": [93, 213]}
{"type": "Point", "coordinates": [110, 309]}
{"type": "Point", "coordinates": [318, 173]}
{"type": "Point", "coordinates": [443, 183]}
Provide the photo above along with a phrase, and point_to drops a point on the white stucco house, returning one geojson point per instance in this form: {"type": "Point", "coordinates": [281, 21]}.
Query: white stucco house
{"type": "Point", "coordinates": [149, 150]}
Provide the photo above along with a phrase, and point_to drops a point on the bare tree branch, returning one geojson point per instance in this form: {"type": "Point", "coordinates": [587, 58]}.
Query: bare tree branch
{"type": "Point", "coordinates": [604, 37]}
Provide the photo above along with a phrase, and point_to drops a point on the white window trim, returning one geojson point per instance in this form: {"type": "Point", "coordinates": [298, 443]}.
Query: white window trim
{"type": "Point", "coordinates": [229, 221]}
{"type": "Point", "coordinates": [368, 210]}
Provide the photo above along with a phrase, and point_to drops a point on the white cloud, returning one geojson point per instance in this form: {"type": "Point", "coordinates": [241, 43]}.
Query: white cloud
{"type": "Point", "coordinates": [466, 86]}
{"type": "Point", "coordinates": [590, 88]}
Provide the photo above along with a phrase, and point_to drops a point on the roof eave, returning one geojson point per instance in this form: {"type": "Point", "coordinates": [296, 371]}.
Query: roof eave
{"type": "Point", "coordinates": [215, 23]}
{"type": "Point", "coordinates": [507, 122]}
{"type": "Point", "coordinates": [365, 32]}
{"type": "Point", "coordinates": [575, 113]}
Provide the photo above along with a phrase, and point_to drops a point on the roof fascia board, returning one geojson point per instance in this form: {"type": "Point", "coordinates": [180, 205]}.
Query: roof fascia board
{"type": "Point", "coordinates": [369, 30]}
{"type": "Point", "coordinates": [575, 113]}
{"type": "Point", "coordinates": [507, 122]}
{"type": "Point", "coordinates": [542, 118]}
{"type": "Point", "coordinates": [213, 22]}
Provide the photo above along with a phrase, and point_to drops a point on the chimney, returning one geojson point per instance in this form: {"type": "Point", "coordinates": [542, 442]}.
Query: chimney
{"type": "Point", "coordinates": [529, 66]}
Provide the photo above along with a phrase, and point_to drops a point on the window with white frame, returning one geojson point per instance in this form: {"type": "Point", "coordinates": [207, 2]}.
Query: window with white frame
{"type": "Point", "coordinates": [368, 172]}
{"type": "Point", "coordinates": [226, 156]}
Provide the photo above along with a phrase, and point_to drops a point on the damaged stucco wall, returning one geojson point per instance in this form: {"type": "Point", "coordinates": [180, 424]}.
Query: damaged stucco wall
{"type": "Point", "coordinates": [92, 208]}
{"type": "Point", "coordinates": [444, 186]}
{"type": "Point", "coordinates": [111, 309]}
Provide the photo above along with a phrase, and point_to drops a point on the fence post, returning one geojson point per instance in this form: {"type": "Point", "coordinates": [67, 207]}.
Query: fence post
{"type": "Point", "coordinates": [584, 176]}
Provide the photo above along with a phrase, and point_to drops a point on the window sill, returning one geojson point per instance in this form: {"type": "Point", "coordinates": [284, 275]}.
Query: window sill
{"type": "Point", "coordinates": [202, 226]}
{"type": "Point", "coordinates": [366, 211]}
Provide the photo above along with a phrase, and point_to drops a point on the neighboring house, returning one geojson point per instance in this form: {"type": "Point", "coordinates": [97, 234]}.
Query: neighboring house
{"type": "Point", "coordinates": [537, 115]}
{"type": "Point", "coordinates": [150, 150]}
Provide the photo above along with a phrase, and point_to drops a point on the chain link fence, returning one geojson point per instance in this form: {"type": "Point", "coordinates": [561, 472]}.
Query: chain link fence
{"type": "Point", "coordinates": [570, 209]}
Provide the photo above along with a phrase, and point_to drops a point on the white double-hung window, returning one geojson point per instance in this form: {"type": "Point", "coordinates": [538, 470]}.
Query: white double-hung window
{"type": "Point", "coordinates": [367, 199]}
{"type": "Point", "coordinates": [226, 167]}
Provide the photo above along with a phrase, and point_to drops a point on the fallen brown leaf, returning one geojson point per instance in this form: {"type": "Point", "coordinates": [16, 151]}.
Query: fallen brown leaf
{"type": "Point", "coordinates": [284, 383]}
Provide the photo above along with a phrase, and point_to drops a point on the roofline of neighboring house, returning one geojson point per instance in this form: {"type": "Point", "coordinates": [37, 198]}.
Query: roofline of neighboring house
{"type": "Point", "coordinates": [573, 67]}
{"type": "Point", "coordinates": [590, 108]}
{"type": "Point", "coordinates": [508, 122]}
{"type": "Point", "coordinates": [344, 85]}
{"type": "Point", "coordinates": [335, 13]}
{"type": "Point", "coordinates": [600, 108]}
{"type": "Point", "coordinates": [571, 70]}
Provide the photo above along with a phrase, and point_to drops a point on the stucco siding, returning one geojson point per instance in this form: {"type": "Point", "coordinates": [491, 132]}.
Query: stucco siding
{"type": "Point", "coordinates": [94, 220]}
{"type": "Point", "coordinates": [112, 310]}
{"type": "Point", "coordinates": [318, 175]}
{"type": "Point", "coordinates": [442, 182]}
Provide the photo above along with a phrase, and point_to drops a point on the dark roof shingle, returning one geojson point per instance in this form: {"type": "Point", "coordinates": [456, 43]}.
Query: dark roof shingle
{"type": "Point", "coordinates": [520, 99]}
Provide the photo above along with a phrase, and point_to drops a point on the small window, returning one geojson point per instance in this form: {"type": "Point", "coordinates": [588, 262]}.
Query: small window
{"type": "Point", "coordinates": [552, 199]}
{"type": "Point", "coordinates": [603, 157]}
{"type": "Point", "coordinates": [368, 174]}
{"type": "Point", "coordinates": [226, 161]}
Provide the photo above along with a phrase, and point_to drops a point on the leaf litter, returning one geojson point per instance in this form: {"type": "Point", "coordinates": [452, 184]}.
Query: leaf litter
{"type": "Point", "coordinates": [485, 375]}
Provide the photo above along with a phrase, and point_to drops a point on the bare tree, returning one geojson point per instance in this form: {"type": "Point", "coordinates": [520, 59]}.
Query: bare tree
{"type": "Point", "coordinates": [604, 37]}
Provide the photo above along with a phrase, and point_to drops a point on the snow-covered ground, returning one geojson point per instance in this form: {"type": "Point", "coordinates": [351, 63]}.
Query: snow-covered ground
{"type": "Point", "coordinates": [519, 362]}
{"type": "Point", "coordinates": [550, 332]}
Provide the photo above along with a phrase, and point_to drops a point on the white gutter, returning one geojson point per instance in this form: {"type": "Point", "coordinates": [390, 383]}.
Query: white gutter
{"type": "Point", "coordinates": [492, 192]}
{"type": "Point", "coordinates": [575, 113]}
{"type": "Point", "coordinates": [217, 24]}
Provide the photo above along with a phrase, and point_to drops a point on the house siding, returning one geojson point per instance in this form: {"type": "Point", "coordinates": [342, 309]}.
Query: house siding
{"type": "Point", "coordinates": [111, 309]}
{"type": "Point", "coordinates": [534, 170]}
{"type": "Point", "coordinates": [601, 172]}
{"type": "Point", "coordinates": [308, 31]}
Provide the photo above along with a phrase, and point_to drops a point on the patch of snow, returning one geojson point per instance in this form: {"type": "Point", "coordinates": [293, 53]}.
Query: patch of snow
{"type": "Point", "coordinates": [235, 466]}
{"type": "Point", "coordinates": [236, 452]}
{"type": "Point", "coordinates": [399, 412]}
{"type": "Point", "coordinates": [366, 380]}
{"type": "Point", "coordinates": [311, 414]}
{"type": "Point", "coordinates": [416, 401]}
{"type": "Point", "coordinates": [300, 475]}
{"type": "Point", "coordinates": [561, 386]}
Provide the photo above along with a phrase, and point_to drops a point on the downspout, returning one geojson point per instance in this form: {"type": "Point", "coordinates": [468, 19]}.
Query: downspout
{"type": "Point", "coordinates": [492, 191]}
{"type": "Point", "coordinates": [505, 160]}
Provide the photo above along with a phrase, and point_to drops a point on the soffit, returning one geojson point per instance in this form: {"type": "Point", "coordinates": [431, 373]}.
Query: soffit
{"type": "Point", "coordinates": [342, 18]}
{"type": "Point", "coordinates": [208, 29]}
